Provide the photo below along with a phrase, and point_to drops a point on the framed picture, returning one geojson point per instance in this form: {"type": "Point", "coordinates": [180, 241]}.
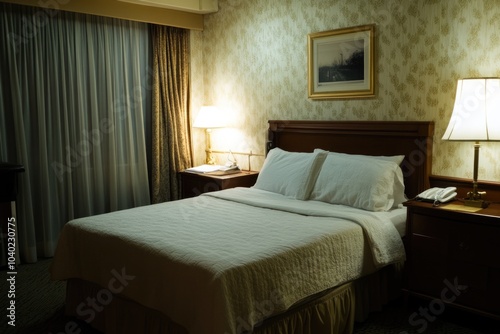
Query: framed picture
{"type": "Point", "coordinates": [341, 63]}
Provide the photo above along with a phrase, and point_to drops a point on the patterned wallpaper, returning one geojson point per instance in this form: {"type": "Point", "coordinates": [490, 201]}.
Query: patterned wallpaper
{"type": "Point", "coordinates": [251, 60]}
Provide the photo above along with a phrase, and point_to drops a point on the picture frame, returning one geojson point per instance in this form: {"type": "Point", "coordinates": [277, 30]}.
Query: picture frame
{"type": "Point", "coordinates": [341, 63]}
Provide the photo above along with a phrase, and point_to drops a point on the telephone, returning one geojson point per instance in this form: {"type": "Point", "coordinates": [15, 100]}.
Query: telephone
{"type": "Point", "coordinates": [438, 195]}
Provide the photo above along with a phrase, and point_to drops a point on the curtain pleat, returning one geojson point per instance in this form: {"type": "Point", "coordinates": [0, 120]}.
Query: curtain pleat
{"type": "Point", "coordinates": [171, 143]}
{"type": "Point", "coordinates": [74, 95]}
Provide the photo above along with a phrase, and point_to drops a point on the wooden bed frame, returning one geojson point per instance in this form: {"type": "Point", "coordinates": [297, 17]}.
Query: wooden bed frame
{"type": "Point", "coordinates": [411, 139]}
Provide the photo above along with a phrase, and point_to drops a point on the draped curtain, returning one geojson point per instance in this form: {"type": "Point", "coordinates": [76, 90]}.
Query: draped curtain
{"type": "Point", "coordinates": [171, 143]}
{"type": "Point", "coordinates": [74, 90]}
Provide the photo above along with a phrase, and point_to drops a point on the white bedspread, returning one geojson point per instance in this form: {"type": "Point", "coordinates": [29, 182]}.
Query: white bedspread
{"type": "Point", "coordinates": [224, 261]}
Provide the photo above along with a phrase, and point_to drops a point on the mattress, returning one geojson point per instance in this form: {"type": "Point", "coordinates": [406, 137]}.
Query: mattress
{"type": "Point", "coordinates": [211, 262]}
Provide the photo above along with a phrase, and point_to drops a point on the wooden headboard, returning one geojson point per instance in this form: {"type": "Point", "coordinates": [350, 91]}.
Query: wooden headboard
{"type": "Point", "coordinates": [411, 139]}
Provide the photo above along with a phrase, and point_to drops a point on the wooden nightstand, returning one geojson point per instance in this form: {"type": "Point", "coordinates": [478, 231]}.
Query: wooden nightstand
{"type": "Point", "coordinates": [194, 184]}
{"type": "Point", "coordinates": [453, 257]}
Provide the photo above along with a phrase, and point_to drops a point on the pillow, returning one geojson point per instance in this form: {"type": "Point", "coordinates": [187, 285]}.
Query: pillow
{"type": "Point", "coordinates": [399, 185]}
{"type": "Point", "coordinates": [292, 174]}
{"type": "Point", "coordinates": [359, 181]}
{"type": "Point", "coordinates": [395, 158]}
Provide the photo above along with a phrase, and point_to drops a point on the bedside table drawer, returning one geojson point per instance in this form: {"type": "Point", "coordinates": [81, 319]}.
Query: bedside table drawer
{"type": "Point", "coordinates": [448, 248]}
{"type": "Point", "coordinates": [475, 244]}
{"type": "Point", "coordinates": [492, 300]}
{"type": "Point", "coordinates": [427, 270]}
{"type": "Point", "coordinates": [481, 285]}
{"type": "Point", "coordinates": [426, 278]}
{"type": "Point", "coordinates": [429, 226]}
{"type": "Point", "coordinates": [474, 276]}
{"type": "Point", "coordinates": [430, 249]}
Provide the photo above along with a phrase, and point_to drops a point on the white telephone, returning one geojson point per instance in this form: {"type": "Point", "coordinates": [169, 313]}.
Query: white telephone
{"type": "Point", "coordinates": [438, 195]}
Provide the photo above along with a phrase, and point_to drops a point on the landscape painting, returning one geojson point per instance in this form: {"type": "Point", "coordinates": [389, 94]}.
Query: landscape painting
{"type": "Point", "coordinates": [341, 63]}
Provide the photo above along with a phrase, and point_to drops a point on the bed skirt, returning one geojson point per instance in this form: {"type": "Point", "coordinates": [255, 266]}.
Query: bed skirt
{"type": "Point", "coordinates": [332, 311]}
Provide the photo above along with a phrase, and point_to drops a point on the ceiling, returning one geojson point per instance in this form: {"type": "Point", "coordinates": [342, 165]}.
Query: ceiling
{"type": "Point", "coordinates": [193, 6]}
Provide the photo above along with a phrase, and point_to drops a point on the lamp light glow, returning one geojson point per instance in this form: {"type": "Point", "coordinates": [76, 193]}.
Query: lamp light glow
{"type": "Point", "coordinates": [475, 117]}
{"type": "Point", "coordinates": [208, 118]}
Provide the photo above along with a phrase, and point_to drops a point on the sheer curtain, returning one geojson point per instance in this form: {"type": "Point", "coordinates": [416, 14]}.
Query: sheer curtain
{"type": "Point", "coordinates": [74, 93]}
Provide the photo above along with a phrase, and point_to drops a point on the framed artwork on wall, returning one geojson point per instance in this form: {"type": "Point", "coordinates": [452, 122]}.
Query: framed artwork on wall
{"type": "Point", "coordinates": [341, 63]}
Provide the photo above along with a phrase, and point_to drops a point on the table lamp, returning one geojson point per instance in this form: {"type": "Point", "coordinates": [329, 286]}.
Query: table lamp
{"type": "Point", "coordinates": [476, 117]}
{"type": "Point", "coordinates": [208, 118]}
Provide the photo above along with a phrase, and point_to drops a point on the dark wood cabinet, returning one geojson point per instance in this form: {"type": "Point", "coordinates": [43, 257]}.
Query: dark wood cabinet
{"type": "Point", "coordinates": [9, 174]}
{"type": "Point", "coordinates": [454, 256]}
{"type": "Point", "coordinates": [194, 184]}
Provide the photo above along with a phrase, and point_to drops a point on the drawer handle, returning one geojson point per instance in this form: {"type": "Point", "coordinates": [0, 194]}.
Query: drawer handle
{"type": "Point", "coordinates": [463, 246]}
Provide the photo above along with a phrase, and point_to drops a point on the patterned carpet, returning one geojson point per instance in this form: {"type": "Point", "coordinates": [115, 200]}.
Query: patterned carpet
{"type": "Point", "coordinates": [40, 301]}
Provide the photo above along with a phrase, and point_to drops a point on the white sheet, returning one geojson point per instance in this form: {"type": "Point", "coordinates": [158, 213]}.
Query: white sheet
{"type": "Point", "coordinates": [224, 261]}
{"type": "Point", "coordinates": [398, 219]}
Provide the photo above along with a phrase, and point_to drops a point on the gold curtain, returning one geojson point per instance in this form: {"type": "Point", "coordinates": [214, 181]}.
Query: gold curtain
{"type": "Point", "coordinates": [171, 144]}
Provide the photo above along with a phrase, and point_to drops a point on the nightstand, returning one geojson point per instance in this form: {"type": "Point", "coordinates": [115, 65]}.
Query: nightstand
{"type": "Point", "coordinates": [453, 257]}
{"type": "Point", "coordinates": [194, 184]}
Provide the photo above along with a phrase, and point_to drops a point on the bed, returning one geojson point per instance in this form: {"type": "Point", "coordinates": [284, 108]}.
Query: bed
{"type": "Point", "coordinates": [288, 255]}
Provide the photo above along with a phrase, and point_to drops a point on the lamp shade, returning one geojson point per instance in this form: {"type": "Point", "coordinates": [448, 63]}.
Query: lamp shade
{"type": "Point", "coordinates": [476, 114]}
{"type": "Point", "coordinates": [210, 117]}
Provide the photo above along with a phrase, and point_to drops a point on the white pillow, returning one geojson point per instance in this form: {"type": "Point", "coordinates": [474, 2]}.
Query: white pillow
{"type": "Point", "coordinates": [359, 181]}
{"type": "Point", "coordinates": [395, 158]}
{"type": "Point", "coordinates": [399, 185]}
{"type": "Point", "coordinates": [292, 174]}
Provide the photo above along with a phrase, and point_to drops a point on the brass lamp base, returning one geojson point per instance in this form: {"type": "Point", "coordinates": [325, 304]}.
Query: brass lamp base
{"type": "Point", "coordinates": [475, 198]}
{"type": "Point", "coordinates": [209, 160]}
{"type": "Point", "coordinates": [477, 203]}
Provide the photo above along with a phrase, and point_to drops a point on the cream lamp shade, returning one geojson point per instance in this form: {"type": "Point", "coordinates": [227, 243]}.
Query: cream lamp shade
{"type": "Point", "coordinates": [208, 118]}
{"type": "Point", "coordinates": [475, 117]}
{"type": "Point", "coordinates": [476, 114]}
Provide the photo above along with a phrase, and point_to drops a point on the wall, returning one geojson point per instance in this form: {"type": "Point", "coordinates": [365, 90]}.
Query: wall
{"type": "Point", "coordinates": [251, 59]}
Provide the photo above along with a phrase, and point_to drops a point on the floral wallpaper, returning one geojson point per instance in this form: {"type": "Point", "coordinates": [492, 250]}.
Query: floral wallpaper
{"type": "Point", "coordinates": [251, 60]}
